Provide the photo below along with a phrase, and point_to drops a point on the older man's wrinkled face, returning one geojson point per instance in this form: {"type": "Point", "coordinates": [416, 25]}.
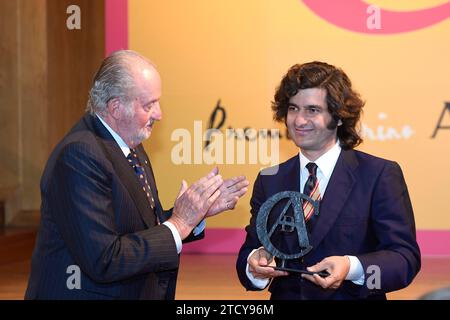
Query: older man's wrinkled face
{"type": "Point", "coordinates": [144, 110]}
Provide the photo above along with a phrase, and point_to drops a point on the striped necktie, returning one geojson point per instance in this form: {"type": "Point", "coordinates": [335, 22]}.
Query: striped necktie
{"type": "Point", "coordinates": [311, 189]}
{"type": "Point", "coordinates": [142, 177]}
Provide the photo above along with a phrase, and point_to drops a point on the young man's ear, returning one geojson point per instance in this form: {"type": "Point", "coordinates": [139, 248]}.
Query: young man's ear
{"type": "Point", "coordinates": [113, 107]}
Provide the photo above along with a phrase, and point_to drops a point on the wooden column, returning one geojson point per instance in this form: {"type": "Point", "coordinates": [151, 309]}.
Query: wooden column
{"type": "Point", "coordinates": [45, 74]}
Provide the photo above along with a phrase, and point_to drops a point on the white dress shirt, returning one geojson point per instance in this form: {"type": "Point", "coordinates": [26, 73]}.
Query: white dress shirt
{"type": "Point", "coordinates": [325, 166]}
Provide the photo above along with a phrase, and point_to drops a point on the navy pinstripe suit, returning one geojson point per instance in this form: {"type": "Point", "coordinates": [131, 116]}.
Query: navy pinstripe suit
{"type": "Point", "coordinates": [95, 215]}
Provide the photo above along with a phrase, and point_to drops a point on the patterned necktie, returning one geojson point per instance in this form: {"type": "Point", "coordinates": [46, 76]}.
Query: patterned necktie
{"type": "Point", "coordinates": [311, 189]}
{"type": "Point", "coordinates": [142, 177]}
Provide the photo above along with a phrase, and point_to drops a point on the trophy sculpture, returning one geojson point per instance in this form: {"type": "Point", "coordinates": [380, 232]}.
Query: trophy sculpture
{"type": "Point", "coordinates": [288, 224]}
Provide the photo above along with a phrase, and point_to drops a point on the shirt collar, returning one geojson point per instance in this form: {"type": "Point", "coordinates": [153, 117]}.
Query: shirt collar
{"type": "Point", "coordinates": [325, 162]}
{"type": "Point", "coordinates": [123, 146]}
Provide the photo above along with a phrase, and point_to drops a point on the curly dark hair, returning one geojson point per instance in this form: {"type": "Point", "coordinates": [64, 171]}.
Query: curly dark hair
{"type": "Point", "coordinates": [343, 102]}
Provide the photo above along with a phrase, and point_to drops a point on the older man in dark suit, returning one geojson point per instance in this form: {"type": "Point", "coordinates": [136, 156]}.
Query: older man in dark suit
{"type": "Point", "coordinates": [101, 218]}
{"type": "Point", "coordinates": [364, 235]}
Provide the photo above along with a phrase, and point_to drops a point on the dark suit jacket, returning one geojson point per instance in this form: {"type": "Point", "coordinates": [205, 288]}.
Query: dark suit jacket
{"type": "Point", "coordinates": [94, 215]}
{"type": "Point", "coordinates": [365, 212]}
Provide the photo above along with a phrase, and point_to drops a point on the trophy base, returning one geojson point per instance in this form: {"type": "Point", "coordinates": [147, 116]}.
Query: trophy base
{"type": "Point", "coordinates": [322, 273]}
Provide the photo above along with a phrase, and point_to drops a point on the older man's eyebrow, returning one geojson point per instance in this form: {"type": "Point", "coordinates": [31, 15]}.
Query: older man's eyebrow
{"type": "Point", "coordinates": [150, 102]}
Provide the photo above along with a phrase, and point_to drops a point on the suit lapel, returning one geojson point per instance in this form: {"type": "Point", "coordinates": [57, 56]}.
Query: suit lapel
{"type": "Point", "coordinates": [124, 171]}
{"type": "Point", "coordinates": [289, 181]}
{"type": "Point", "coordinates": [291, 178]}
{"type": "Point", "coordinates": [338, 190]}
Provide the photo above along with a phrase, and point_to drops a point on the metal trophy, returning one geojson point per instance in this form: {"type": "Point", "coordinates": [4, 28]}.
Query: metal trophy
{"type": "Point", "coordinates": [288, 224]}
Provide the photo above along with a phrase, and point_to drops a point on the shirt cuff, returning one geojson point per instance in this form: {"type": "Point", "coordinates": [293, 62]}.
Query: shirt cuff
{"type": "Point", "coordinates": [258, 283]}
{"type": "Point", "coordinates": [356, 272]}
{"type": "Point", "coordinates": [200, 227]}
{"type": "Point", "coordinates": [175, 234]}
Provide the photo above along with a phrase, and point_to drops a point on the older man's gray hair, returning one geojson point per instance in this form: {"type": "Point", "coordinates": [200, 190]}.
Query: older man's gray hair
{"type": "Point", "coordinates": [114, 79]}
